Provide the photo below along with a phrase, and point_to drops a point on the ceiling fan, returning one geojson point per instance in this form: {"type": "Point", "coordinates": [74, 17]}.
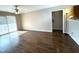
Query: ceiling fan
{"type": "Point", "coordinates": [16, 9]}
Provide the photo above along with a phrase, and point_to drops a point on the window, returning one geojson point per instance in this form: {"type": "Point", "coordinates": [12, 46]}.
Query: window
{"type": "Point", "coordinates": [7, 24]}
{"type": "Point", "coordinates": [3, 25]}
{"type": "Point", "coordinates": [11, 23]}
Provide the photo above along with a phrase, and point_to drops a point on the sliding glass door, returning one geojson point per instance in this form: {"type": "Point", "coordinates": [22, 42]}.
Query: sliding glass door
{"type": "Point", "coordinates": [11, 23]}
{"type": "Point", "coordinates": [7, 24]}
{"type": "Point", "coordinates": [3, 25]}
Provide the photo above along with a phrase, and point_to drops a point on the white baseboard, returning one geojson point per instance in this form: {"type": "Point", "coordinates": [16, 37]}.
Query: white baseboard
{"type": "Point", "coordinates": [73, 38]}
{"type": "Point", "coordinates": [41, 30]}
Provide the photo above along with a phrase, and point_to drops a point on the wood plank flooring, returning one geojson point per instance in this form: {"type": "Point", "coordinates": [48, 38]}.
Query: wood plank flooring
{"type": "Point", "coordinates": [64, 43]}
{"type": "Point", "coordinates": [34, 42]}
{"type": "Point", "coordinates": [41, 42]}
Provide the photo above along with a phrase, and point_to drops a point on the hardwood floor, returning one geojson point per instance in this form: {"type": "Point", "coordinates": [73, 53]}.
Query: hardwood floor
{"type": "Point", "coordinates": [64, 43]}
{"type": "Point", "coordinates": [38, 42]}
{"type": "Point", "coordinates": [35, 42]}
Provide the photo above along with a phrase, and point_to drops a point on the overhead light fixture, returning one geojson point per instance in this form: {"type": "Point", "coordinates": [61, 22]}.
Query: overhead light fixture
{"type": "Point", "coordinates": [16, 10]}
{"type": "Point", "coordinates": [71, 17]}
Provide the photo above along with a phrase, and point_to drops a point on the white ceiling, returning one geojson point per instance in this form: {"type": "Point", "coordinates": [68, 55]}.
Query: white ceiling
{"type": "Point", "coordinates": [23, 8]}
{"type": "Point", "coordinates": [29, 8]}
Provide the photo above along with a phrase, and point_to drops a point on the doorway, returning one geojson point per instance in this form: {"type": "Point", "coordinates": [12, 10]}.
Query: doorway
{"type": "Point", "coordinates": [57, 20]}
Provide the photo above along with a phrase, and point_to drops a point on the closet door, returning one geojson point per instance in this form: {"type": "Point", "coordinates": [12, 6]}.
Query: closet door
{"type": "Point", "coordinates": [12, 23]}
{"type": "Point", "coordinates": [3, 25]}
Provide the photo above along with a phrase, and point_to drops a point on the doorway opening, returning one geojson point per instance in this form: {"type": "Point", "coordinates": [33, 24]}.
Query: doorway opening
{"type": "Point", "coordinates": [57, 21]}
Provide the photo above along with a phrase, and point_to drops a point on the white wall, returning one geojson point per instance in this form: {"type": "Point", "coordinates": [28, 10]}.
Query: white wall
{"type": "Point", "coordinates": [18, 20]}
{"type": "Point", "coordinates": [73, 29]}
{"type": "Point", "coordinates": [39, 20]}
{"type": "Point", "coordinates": [65, 10]}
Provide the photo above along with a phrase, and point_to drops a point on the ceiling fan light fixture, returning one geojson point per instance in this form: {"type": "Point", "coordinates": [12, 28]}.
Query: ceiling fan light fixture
{"type": "Point", "coordinates": [16, 10]}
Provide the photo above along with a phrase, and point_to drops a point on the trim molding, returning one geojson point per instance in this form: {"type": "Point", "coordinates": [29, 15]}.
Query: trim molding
{"type": "Point", "coordinates": [37, 30]}
{"type": "Point", "coordinates": [72, 39]}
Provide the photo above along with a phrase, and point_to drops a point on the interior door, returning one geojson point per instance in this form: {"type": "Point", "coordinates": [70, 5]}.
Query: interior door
{"type": "Point", "coordinates": [57, 20]}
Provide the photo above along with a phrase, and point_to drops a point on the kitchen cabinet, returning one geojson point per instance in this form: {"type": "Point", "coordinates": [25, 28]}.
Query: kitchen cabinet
{"type": "Point", "coordinates": [76, 12]}
{"type": "Point", "coordinates": [73, 12]}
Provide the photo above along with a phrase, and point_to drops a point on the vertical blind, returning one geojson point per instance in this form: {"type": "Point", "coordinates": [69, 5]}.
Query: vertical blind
{"type": "Point", "coordinates": [7, 24]}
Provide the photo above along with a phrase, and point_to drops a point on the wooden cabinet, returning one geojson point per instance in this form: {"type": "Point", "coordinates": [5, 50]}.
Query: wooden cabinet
{"type": "Point", "coordinates": [76, 12]}
{"type": "Point", "coordinates": [73, 12]}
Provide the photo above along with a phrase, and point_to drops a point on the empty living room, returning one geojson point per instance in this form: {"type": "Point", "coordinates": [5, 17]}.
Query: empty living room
{"type": "Point", "coordinates": [39, 29]}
